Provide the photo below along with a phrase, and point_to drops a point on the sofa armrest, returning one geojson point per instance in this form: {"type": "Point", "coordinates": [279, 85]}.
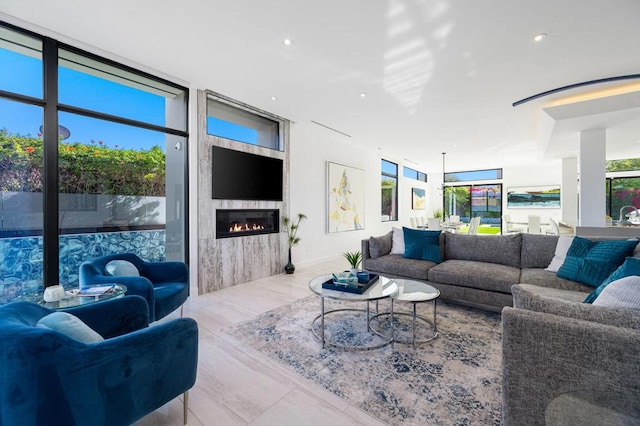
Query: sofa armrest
{"type": "Point", "coordinates": [570, 304]}
{"type": "Point", "coordinates": [545, 356]}
{"type": "Point", "coordinates": [364, 249]}
{"type": "Point", "coordinates": [114, 317]}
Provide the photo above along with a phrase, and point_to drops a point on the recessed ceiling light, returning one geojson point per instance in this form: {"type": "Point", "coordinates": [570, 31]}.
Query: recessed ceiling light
{"type": "Point", "coordinates": [539, 37]}
{"type": "Point", "coordinates": [274, 98]}
{"type": "Point", "coordinates": [363, 94]}
{"type": "Point", "coordinates": [287, 42]}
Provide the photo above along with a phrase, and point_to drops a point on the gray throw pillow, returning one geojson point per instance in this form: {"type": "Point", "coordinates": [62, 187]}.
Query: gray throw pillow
{"type": "Point", "coordinates": [379, 246]}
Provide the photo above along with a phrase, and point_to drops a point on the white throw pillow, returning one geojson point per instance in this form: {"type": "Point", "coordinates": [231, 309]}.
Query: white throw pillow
{"type": "Point", "coordinates": [397, 243]}
{"type": "Point", "coordinates": [636, 252]}
{"type": "Point", "coordinates": [69, 325]}
{"type": "Point", "coordinates": [121, 268]}
{"type": "Point", "coordinates": [562, 247]}
{"type": "Point", "coordinates": [622, 293]}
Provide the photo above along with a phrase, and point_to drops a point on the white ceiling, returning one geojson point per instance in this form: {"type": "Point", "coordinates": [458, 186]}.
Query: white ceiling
{"type": "Point", "coordinates": [440, 75]}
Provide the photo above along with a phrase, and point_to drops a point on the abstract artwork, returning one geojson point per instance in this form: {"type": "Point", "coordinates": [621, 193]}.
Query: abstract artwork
{"type": "Point", "coordinates": [534, 197]}
{"type": "Point", "coordinates": [418, 199]}
{"type": "Point", "coordinates": [345, 198]}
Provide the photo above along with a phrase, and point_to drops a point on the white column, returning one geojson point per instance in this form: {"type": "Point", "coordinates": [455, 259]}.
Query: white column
{"type": "Point", "coordinates": [592, 162]}
{"type": "Point", "coordinates": [569, 192]}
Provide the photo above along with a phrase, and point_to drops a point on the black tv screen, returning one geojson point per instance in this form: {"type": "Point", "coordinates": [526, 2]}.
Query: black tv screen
{"type": "Point", "coordinates": [240, 175]}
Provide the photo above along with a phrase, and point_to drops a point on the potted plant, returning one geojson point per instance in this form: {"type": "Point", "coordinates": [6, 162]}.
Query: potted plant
{"type": "Point", "coordinates": [354, 258]}
{"type": "Point", "coordinates": [292, 226]}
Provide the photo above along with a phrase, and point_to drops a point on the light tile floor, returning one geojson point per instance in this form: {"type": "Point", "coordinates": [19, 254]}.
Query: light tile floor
{"type": "Point", "coordinates": [237, 385]}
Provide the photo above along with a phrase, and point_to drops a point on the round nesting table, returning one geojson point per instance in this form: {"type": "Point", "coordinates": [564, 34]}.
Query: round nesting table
{"type": "Point", "coordinates": [73, 298]}
{"type": "Point", "coordinates": [414, 292]}
{"type": "Point", "coordinates": [384, 288]}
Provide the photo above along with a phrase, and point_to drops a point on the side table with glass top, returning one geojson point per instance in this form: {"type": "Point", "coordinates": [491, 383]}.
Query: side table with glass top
{"type": "Point", "coordinates": [384, 288]}
{"type": "Point", "coordinates": [414, 292]}
{"type": "Point", "coordinates": [73, 299]}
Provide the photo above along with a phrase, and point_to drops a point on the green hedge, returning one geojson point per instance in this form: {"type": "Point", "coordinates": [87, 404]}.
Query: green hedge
{"type": "Point", "coordinates": [83, 169]}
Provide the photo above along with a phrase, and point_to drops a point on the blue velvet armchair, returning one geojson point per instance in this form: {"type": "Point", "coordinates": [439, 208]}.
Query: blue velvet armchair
{"type": "Point", "coordinates": [48, 378]}
{"type": "Point", "coordinates": [165, 285]}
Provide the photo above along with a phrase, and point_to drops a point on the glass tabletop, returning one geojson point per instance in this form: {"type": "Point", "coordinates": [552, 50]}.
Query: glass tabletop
{"type": "Point", "coordinates": [383, 288]}
{"type": "Point", "coordinates": [415, 291]}
{"type": "Point", "coordinates": [72, 298]}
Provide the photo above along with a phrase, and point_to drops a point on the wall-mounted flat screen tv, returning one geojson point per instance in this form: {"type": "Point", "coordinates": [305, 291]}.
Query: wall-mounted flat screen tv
{"type": "Point", "coordinates": [240, 175]}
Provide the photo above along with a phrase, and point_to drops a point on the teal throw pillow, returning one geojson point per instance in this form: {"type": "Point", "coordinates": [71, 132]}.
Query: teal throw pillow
{"type": "Point", "coordinates": [422, 245]}
{"type": "Point", "coordinates": [69, 325]}
{"type": "Point", "coordinates": [631, 266]}
{"type": "Point", "coordinates": [591, 262]}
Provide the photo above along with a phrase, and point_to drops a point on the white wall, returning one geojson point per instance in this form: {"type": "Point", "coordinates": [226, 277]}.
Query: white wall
{"type": "Point", "coordinates": [312, 146]}
{"type": "Point", "coordinates": [550, 174]}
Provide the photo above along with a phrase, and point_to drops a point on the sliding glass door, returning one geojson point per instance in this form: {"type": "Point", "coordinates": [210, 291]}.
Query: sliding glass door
{"type": "Point", "coordinates": [468, 201]}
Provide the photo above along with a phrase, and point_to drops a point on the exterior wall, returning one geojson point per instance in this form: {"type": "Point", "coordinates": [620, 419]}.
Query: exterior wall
{"type": "Point", "coordinates": [21, 258]}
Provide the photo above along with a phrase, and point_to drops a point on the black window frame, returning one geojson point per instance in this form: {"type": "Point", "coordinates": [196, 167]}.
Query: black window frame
{"type": "Point", "coordinates": [51, 107]}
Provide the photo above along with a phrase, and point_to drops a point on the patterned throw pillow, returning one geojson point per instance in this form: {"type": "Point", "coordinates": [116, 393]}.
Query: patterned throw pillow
{"type": "Point", "coordinates": [591, 262]}
{"type": "Point", "coordinates": [379, 246]}
{"type": "Point", "coordinates": [631, 266]}
{"type": "Point", "coordinates": [422, 245]}
{"type": "Point", "coordinates": [623, 293]}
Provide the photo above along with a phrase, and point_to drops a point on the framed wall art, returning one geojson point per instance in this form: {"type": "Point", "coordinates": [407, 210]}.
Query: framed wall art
{"type": "Point", "coordinates": [345, 198]}
{"type": "Point", "coordinates": [533, 197]}
{"type": "Point", "coordinates": [418, 199]}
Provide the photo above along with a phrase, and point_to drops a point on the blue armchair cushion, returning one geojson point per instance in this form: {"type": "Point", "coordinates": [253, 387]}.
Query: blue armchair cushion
{"type": "Point", "coordinates": [121, 268]}
{"type": "Point", "coordinates": [70, 325]}
{"type": "Point", "coordinates": [591, 262]}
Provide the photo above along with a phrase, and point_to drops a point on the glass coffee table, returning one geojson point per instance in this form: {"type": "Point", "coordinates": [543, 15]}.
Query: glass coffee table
{"type": "Point", "coordinates": [384, 288]}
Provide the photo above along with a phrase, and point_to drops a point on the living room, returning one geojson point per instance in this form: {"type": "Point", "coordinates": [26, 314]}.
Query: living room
{"type": "Point", "coordinates": [407, 83]}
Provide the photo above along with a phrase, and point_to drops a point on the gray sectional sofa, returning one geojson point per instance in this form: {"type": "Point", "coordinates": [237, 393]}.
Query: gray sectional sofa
{"type": "Point", "coordinates": [477, 270]}
{"type": "Point", "coordinates": [564, 362]}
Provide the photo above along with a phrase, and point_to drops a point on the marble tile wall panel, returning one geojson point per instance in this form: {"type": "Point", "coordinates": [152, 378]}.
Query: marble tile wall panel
{"type": "Point", "coordinates": [21, 259]}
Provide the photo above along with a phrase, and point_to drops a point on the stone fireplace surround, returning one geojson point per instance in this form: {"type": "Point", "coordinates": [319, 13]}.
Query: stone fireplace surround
{"type": "Point", "coordinates": [225, 262]}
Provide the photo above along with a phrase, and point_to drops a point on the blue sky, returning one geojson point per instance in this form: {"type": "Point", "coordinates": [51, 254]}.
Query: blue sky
{"type": "Point", "coordinates": [23, 74]}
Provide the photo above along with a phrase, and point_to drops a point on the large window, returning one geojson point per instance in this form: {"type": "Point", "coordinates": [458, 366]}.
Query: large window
{"type": "Point", "coordinates": [473, 175]}
{"type": "Point", "coordinates": [229, 121]}
{"type": "Point", "coordinates": [468, 201]}
{"type": "Point", "coordinates": [389, 189]}
{"type": "Point", "coordinates": [92, 162]}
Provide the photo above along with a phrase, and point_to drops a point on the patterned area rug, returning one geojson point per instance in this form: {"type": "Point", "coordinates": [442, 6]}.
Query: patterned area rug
{"type": "Point", "coordinates": [452, 380]}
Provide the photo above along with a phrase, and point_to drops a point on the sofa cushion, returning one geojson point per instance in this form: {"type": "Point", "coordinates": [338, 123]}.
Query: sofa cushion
{"type": "Point", "coordinates": [537, 250]}
{"type": "Point", "coordinates": [480, 275]}
{"type": "Point", "coordinates": [69, 325]}
{"type": "Point", "coordinates": [631, 266]}
{"type": "Point", "coordinates": [569, 304]}
{"type": "Point", "coordinates": [422, 245]}
{"type": "Point", "coordinates": [397, 241]}
{"type": "Point", "coordinates": [500, 249]}
{"type": "Point", "coordinates": [379, 246]}
{"type": "Point", "coordinates": [544, 278]}
{"type": "Point", "coordinates": [591, 262]}
{"type": "Point", "coordinates": [395, 264]}
{"type": "Point", "coordinates": [622, 293]}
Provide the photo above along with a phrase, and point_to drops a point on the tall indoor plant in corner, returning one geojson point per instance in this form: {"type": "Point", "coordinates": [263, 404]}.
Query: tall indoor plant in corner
{"type": "Point", "coordinates": [292, 226]}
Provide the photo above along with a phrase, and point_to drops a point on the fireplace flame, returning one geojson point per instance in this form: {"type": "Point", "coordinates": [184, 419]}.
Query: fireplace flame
{"type": "Point", "coordinates": [243, 227]}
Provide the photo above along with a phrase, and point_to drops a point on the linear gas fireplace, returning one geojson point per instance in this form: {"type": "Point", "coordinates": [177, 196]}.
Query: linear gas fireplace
{"type": "Point", "coordinates": [243, 222]}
